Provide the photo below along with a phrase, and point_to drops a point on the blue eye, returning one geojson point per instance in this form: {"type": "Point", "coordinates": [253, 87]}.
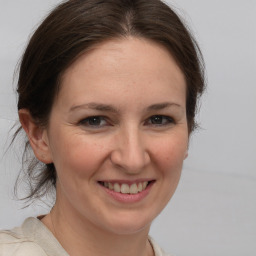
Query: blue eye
{"type": "Point", "coordinates": [160, 120]}
{"type": "Point", "coordinates": [94, 121]}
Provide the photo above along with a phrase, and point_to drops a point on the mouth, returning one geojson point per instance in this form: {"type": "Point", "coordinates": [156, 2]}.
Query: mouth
{"type": "Point", "coordinates": [125, 187]}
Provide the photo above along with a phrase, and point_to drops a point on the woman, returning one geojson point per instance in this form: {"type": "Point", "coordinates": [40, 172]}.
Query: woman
{"type": "Point", "coordinates": [107, 97]}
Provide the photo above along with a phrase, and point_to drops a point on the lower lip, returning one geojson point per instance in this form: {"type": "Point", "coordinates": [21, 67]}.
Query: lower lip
{"type": "Point", "coordinates": [128, 198]}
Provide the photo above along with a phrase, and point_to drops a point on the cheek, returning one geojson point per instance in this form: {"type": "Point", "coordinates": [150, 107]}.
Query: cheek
{"type": "Point", "coordinates": [169, 158]}
{"type": "Point", "coordinates": [170, 155]}
{"type": "Point", "coordinates": [77, 157]}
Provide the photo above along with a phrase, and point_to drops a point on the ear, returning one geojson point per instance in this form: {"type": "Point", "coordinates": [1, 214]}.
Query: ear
{"type": "Point", "coordinates": [186, 154]}
{"type": "Point", "coordinates": [37, 137]}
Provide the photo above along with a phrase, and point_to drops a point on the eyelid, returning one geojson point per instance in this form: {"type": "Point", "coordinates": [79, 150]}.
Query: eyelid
{"type": "Point", "coordinates": [84, 122]}
{"type": "Point", "coordinates": [170, 120]}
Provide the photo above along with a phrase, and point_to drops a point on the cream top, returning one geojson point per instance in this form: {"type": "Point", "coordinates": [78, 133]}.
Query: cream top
{"type": "Point", "coordinates": [33, 238]}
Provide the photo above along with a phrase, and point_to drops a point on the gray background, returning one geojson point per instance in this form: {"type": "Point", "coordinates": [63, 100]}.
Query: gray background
{"type": "Point", "coordinates": [213, 212]}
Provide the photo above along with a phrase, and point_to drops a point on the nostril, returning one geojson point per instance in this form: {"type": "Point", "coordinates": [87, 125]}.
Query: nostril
{"type": "Point", "coordinates": [130, 156]}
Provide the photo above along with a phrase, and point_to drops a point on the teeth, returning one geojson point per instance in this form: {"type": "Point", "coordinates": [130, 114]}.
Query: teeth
{"type": "Point", "coordinates": [133, 189]}
{"type": "Point", "coordinates": [140, 187]}
{"type": "Point", "coordinates": [125, 188]}
{"type": "Point", "coordinates": [110, 186]}
{"type": "Point", "coordinates": [144, 185]}
{"type": "Point", "coordinates": [117, 187]}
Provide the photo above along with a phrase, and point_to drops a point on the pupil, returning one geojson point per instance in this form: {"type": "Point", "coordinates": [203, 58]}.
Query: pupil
{"type": "Point", "coordinates": [94, 121]}
{"type": "Point", "coordinates": [157, 120]}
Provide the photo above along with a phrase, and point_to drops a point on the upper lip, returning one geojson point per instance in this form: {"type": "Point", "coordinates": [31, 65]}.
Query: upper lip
{"type": "Point", "coordinates": [128, 182]}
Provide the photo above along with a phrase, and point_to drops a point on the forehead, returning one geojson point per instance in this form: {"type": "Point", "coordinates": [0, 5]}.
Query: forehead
{"type": "Point", "coordinates": [129, 64]}
{"type": "Point", "coordinates": [113, 54]}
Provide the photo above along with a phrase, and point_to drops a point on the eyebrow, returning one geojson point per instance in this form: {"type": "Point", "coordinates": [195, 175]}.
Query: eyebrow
{"type": "Point", "coordinates": [95, 106]}
{"type": "Point", "coordinates": [161, 106]}
{"type": "Point", "coordinates": [110, 108]}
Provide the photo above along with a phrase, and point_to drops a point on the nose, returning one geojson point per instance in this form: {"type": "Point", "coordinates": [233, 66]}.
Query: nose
{"type": "Point", "coordinates": [129, 151]}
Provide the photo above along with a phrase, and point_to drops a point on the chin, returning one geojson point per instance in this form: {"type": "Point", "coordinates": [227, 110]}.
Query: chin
{"type": "Point", "coordinates": [129, 224]}
{"type": "Point", "coordinates": [124, 229]}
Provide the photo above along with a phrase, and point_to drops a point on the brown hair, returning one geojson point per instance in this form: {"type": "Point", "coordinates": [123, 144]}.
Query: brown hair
{"type": "Point", "coordinates": [76, 25]}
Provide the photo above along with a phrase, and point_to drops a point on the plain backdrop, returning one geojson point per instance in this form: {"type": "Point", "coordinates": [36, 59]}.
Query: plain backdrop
{"type": "Point", "coordinates": [213, 212]}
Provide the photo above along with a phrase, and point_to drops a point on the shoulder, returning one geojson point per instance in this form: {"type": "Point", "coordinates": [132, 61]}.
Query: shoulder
{"type": "Point", "coordinates": [157, 249]}
{"type": "Point", "coordinates": [16, 242]}
{"type": "Point", "coordinates": [31, 239]}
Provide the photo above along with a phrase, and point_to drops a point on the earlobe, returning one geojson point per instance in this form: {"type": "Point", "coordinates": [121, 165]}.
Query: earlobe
{"type": "Point", "coordinates": [186, 154]}
{"type": "Point", "coordinates": [37, 136]}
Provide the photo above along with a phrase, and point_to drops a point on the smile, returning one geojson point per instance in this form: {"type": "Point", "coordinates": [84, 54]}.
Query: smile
{"type": "Point", "coordinates": [127, 191]}
{"type": "Point", "coordinates": [124, 188]}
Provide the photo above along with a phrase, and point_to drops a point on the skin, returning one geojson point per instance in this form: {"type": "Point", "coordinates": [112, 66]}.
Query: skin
{"type": "Point", "coordinates": [136, 79]}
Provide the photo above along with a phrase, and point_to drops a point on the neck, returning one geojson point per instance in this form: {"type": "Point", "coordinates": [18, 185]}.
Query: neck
{"type": "Point", "coordinates": [81, 237]}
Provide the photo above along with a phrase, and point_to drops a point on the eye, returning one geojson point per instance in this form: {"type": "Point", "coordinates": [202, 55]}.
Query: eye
{"type": "Point", "coordinates": [159, 120]}
{"type": "Point", "coordinates": [94, 121]}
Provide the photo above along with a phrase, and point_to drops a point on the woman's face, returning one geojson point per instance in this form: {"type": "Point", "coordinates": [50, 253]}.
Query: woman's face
{"type": "Point", "coordinates": [119, 123]}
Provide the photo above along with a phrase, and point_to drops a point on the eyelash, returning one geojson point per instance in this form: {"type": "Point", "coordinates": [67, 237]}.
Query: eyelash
{"type": "Point", "coordinates": [150, 121]}
{"type": "Point", "coordinates": [86, 121]}
{"type": "Point", "coordinates": [168, 120]}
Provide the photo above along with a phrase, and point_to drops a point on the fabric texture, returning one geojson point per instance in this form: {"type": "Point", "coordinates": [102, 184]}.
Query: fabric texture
{"type": "Point", "coordinates": [33, 238]}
